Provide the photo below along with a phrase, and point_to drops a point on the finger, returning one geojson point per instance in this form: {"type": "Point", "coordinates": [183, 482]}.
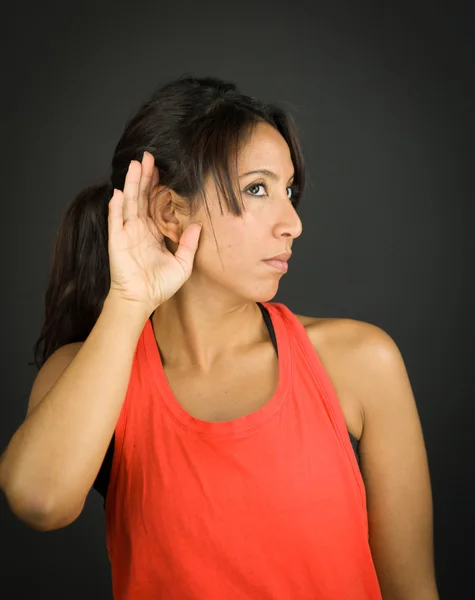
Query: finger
{"type": "Point", "coordinates": [145, 184]}
{"type": "Point", "coordinates": [131, 191]}
{"type": "Point", "coordinates": [115, 218]}
{"type": "Point", "coordinates": [152, 195]}
{"type": "Point", "coordinates": [188, 246]}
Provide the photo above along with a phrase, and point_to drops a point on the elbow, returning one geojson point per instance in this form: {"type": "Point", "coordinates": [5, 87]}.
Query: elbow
{"type": "Point", "coordinates": [32, 508]}
{"type": "Point", "coordinates": [33, 515]}
{"type": "Point", "coordinates": [38, 514]}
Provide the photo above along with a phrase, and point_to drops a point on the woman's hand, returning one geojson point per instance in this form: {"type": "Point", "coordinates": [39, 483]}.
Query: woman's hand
{"type": "Point", "coordinates": [142, 269]}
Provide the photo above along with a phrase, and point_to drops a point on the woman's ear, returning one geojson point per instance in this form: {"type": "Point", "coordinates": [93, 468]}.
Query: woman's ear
{"type": "Point", "coordinates": [169, 213]}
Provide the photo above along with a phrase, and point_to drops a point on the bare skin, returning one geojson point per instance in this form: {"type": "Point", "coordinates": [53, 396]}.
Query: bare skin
{"type": "Point", "coordinates": [223, 394]}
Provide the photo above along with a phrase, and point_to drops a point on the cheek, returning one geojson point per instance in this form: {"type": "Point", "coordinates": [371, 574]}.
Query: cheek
{"type": "Point", "coordinates": [241, 244]}
{"type": "Point", "coordinates": [238, 240]}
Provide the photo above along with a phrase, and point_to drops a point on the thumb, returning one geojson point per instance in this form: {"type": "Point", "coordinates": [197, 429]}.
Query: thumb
{"type": "Point", "coordinates": [188, 245]}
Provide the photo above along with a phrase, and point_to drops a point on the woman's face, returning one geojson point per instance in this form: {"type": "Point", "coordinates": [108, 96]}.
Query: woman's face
{"type": "Point", "coordinates": [267, 227]}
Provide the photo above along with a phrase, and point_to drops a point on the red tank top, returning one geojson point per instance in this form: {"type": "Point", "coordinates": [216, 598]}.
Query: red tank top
{"type": "Point", "coordinates": [270, 506]}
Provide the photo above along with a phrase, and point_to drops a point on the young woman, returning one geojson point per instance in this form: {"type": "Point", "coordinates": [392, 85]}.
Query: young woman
{"type": "Point", "coordinates": [224, 431]}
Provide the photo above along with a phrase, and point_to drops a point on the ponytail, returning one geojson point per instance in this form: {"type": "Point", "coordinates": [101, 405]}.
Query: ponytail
{"type": "Point", "coordinates": [79, 276]}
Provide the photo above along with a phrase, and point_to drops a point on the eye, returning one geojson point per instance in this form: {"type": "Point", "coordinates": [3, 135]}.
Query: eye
{"type": "Point", "coordinates": [292, 190]}
{"type": "Point", "coordinates": [254, 186]}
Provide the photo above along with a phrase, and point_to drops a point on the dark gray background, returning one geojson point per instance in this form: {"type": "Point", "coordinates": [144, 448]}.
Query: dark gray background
{"type": "Point", "coordinates": [384, 95]}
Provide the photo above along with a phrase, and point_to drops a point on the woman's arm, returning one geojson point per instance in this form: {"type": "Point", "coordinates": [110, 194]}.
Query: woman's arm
{"type": "Point", "coordinates": [53, 458]}
{"type": "Point", "coordinates": [395, 471]}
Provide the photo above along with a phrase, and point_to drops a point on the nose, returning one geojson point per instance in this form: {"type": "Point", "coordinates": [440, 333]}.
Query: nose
{"type": "Point", "coordinates": [289, 223]}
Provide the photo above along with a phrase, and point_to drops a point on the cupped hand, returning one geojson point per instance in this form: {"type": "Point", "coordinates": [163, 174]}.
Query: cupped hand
{"type": "Point", "coordinates": [142, 269]}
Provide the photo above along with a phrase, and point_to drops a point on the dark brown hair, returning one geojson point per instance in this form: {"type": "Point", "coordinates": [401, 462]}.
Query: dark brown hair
{"type": "Point", "coordinates": [193, 127]}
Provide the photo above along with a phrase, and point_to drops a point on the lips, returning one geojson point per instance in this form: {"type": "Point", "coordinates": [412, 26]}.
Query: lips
{"type": "Point", "coordinates": [284, 256]}
{"type": "Point", "coordinates": [281, 265]}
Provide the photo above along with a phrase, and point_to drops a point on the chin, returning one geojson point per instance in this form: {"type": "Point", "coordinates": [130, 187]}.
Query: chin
{"type": "Point", "coordinates": [266, 295]}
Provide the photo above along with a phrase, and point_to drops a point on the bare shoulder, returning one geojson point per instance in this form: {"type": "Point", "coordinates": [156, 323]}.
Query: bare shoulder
{"type": "Point", "coordinates": [344, 339]}
{"type": "Point", "coordinates": [336, 339]}
{"type": "Point", "coordinates": [342, 330]}
{"type": "Point", "coordinates": [344, 347]}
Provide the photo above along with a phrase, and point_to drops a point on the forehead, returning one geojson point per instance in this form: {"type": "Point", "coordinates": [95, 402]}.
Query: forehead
{"type": "Point", "coordinates": [266, 146]}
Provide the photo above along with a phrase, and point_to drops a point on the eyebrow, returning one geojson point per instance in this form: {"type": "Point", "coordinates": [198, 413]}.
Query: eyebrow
{"type": "Point", "coordinates": [270, 174]}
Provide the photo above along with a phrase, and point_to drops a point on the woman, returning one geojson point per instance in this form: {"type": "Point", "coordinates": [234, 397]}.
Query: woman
{"type": "Point", "coordinates": [217, 424]}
